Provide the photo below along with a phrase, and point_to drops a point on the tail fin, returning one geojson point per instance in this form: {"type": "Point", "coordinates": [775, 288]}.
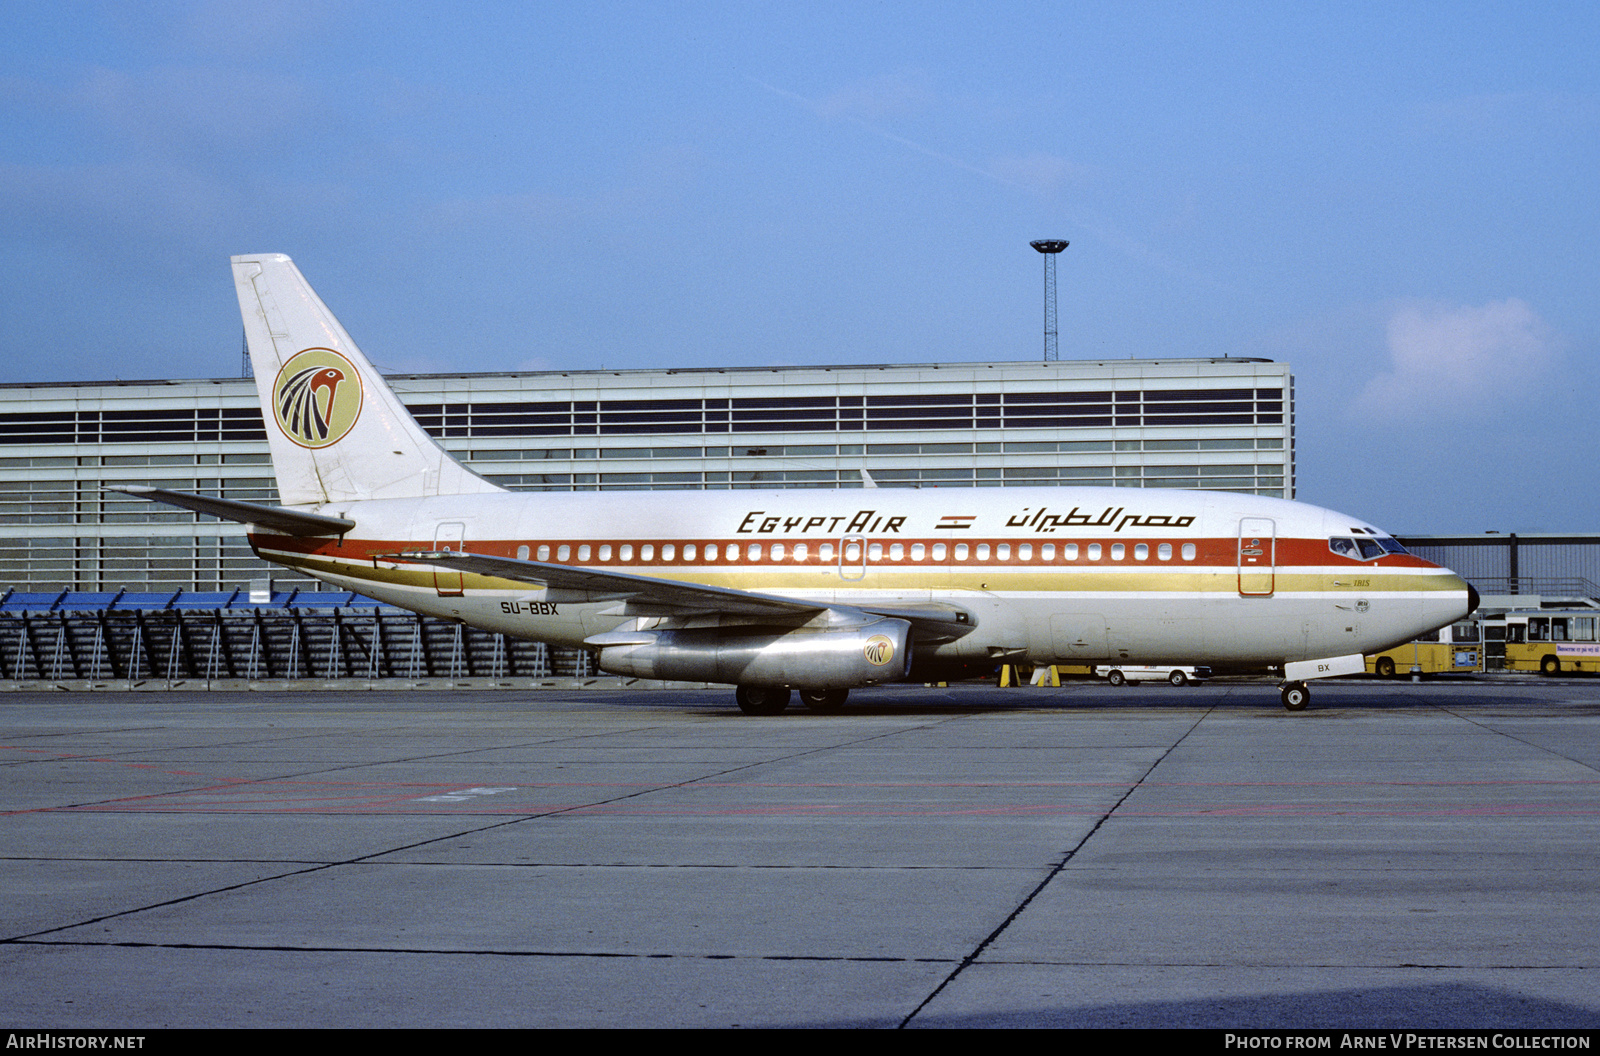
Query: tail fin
{"type": "Point", "coordinates": [338, 433]}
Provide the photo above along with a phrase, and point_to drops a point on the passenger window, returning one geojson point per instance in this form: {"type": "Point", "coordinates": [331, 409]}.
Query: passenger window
{"type": "Point", "coordinates": [961, 551]}
{"type": "Point", "coordinates": [800, 551]}
{"type": "Point", "coordinates": [522, 552]}
{"type": "Point", "coordinates": [1164, 552]}
{"type": "Point", "coordinates": [825, 552]}
{"type": "Point", "coordinates": [688, 552]}
{"type": "Point", "coordinates": [983, 551]}
{"type": "Point", "coordinates": [583, 552]}
{"type": "Point", "coordinates": [754, 553]}
{"type": "Point", "coordinates": [564, 553]}
{"type": "Point", "coordinates": [544, 552]}
{"type": "Point", "coordinates": [605, 552]}
{"type": "Point", "coordinates": [647, 551]}
{"type": "Point", "coordinates": [1141, 551]}
{"type": "Point", "coordinates": [711, 551]}
{"type": "Point", "coordinates": [918, 551]}
{"type": "Point", "coordinates": [777, 551]}
{"type": "Point", "coordinates": [938, 551]}
{"type": "Point", "coordinates": [1117, 551]}
{"type": "Point", "coordinates": [1047, 552]}
{"type": "Point", "coordinates": [1070, 552]}
{"type": "Point", "coordinates": [875, 551]}
{"type": "Point", "coordinates": [1188, 551]}
{"type": "Point", "coordinates": [1025, 552]}
{"type": "Point", "coordinates": [1002, 552]}
{"type": "Point", "coordinates": [1094, 551]}
{"type": "Point", "coordinates": [897, 551]}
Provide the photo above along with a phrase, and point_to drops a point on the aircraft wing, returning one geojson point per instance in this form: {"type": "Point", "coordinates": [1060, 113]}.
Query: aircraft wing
{"type": "Point", "coordinates": [277, 518]}
{"type": "Point", "coordinates": [649, 596]}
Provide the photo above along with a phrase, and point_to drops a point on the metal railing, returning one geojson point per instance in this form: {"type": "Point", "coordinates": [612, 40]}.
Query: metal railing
{"type": "Point", "coordinates": [212, 637]}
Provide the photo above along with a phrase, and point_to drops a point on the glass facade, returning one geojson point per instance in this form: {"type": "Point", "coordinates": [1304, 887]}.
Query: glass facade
{"type": "Point", "coordinates": [1217, 424]}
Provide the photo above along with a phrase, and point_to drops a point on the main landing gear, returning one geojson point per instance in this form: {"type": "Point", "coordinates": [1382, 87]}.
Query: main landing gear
{"type": "Point", "coordinates": [1296, 695]}
{"type": "Point", "coordinates": [761, 700]}
{"type": "Point", "coordinates": [770, 700]}
{"type": "Point", "coordinates": [825, 700]}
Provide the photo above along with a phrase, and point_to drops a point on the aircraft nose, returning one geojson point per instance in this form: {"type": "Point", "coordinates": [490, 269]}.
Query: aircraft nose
{"type": "Point", "coordinates": [1472, 599]}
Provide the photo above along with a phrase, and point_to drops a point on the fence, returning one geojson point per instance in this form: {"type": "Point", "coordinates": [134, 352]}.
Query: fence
{"type": "Point", "coordinates": [184, 636]}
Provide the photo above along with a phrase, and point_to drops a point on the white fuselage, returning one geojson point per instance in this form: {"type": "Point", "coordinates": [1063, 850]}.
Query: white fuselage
{"type": "Point", "coordinates": [1048, 575]}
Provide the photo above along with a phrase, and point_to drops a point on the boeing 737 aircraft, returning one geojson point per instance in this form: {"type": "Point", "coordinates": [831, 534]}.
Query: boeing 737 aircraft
{"type": "Point", "coordinates": [820, 591]}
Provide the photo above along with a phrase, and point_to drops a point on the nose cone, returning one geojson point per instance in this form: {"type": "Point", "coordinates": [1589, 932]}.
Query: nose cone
{"type": "Point", "coordinates": [1450, 599]}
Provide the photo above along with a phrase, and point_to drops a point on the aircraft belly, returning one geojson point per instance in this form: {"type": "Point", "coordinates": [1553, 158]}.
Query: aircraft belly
{"type": "Point", "coordinates": [501, 613]}
{"type": "Point", "coordinates": [1210, 629]}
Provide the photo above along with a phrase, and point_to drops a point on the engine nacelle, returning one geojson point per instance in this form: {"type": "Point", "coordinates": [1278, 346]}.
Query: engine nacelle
{"type": "Point", "coordinates": [829, 658]}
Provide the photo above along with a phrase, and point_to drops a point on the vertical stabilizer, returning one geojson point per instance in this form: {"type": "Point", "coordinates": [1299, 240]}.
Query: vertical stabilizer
{"type": "Point", "coordinates": [338, 433]}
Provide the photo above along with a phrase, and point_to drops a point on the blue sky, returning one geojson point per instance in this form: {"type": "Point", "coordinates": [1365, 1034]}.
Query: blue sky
{"type": "Point", "coordinates": [1397, 199]}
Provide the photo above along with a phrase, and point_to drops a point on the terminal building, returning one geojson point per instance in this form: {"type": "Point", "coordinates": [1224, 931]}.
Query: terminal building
{"type": "Point", "coordinates": [68, 546]}
{"type": "Point", "coordinates": [1217, 424]}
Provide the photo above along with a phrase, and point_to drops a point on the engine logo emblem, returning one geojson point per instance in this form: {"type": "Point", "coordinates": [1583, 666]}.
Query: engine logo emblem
{"type": "Point", "coordinates": [316, 398]}
{"type": "Point", "coordinates": [879, 650]}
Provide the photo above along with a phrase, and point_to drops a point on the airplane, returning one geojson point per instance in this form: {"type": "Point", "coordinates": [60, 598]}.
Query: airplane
{"type": "Point", "coordinates": [810, 590]}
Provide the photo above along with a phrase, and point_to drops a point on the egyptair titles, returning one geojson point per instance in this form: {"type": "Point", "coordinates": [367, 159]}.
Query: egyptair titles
{"type": "Point", "coordinates": [1045, 521]}
{"type": "Point", "coordinates": [871, 522]}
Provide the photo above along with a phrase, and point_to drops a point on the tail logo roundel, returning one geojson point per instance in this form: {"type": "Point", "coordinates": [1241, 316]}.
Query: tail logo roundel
{"type": "Point", "coordinates": [316, 397]}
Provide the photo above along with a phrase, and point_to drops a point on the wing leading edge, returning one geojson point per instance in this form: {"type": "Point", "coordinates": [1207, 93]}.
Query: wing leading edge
{"type": "Point", "coordinates": [649, 596]}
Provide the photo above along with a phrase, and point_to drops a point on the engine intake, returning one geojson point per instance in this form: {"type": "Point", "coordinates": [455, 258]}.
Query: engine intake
{"type": "Point", "coordinates": [834, 658]}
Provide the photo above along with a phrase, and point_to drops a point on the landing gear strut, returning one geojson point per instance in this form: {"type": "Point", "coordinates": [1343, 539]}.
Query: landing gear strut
{"type": "Point", "coordinates": [1296, 695]}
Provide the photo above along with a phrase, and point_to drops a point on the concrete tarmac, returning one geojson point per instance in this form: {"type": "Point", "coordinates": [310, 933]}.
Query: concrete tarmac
{"type": "Point", "coordinates": [1401, 856]}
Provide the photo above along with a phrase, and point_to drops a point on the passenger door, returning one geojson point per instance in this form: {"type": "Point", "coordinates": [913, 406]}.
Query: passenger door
{"type": "Point", "coordinates": [449, 535]}
{"type": "Point", "coordinates": [1257, 557]}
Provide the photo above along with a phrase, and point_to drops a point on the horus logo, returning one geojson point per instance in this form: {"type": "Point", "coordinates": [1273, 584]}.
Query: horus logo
{"type": "Point", "coordinates": [879, 650]}
{"type": "Point", "coordinates": [316, 398]}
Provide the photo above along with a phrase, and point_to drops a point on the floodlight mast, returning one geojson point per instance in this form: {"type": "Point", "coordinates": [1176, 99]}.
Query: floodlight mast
{"type": "Point", "coordinates": [1049, 247]}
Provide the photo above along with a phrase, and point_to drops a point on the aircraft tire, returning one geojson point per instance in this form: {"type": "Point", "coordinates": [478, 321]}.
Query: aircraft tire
{"type": "Point", "coordinates": [761, 700]}
{"type": "Point", "coordinates": [1549, 666]}
{"type": "Point", "coordinates": [1117, 678]}
{"type": "Point", "coordinates": [824, 700]}
{"type": "Point", "coordinates": [1384, 666]}
{"type": "Point", "coordinates": [1296, 695]}
{"type": "Point", "coordinates": [1177, 678]}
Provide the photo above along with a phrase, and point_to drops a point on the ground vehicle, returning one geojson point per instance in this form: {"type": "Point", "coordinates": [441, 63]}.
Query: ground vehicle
{"type": "Point", "coordinates": [1177, 675]}
{"type": "Point", "coordinates": [1553, 641]}
{"type": "Point", "coordinates": [1457, 648]}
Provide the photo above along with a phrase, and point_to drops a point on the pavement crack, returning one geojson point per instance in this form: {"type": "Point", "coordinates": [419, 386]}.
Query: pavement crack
{"type": "Point", "coordinates": [1055, 871]}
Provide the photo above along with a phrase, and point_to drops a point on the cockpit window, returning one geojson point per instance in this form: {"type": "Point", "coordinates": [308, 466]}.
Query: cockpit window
{"type": "Point", "coordinates": [1365, 547]}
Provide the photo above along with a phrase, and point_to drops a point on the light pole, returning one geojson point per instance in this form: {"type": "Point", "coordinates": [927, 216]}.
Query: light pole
{"type": "Point", "coordinates": [1050, 247]}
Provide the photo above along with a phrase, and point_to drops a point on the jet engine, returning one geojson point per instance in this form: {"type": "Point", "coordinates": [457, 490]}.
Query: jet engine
{"type": "Point", "coordinates": [812, 658]}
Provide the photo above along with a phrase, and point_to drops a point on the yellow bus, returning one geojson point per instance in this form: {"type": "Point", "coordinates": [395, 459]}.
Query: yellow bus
{"type": "Point", "coordinates": [1456, 649]}
{"type": "Point", "coordinates": [1553, 641]}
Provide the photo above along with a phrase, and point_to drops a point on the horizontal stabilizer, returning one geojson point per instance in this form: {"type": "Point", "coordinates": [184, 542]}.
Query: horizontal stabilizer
{"type": "Point", "coordinates": [277, 518]}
